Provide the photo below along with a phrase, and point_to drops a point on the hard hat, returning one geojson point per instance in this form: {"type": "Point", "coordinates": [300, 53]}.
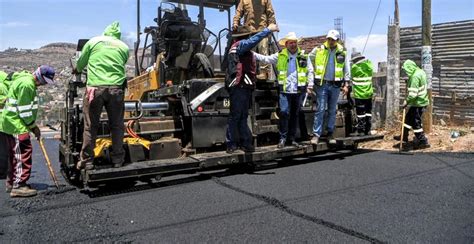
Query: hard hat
{"type": "Point", "coordinates": [333, 34]}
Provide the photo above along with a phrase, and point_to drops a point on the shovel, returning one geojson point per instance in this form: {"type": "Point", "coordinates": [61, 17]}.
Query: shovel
{"type": "Point", "coordinates": [48, 162]}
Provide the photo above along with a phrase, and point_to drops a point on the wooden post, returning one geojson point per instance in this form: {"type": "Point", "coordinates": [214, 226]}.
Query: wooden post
{"type": "Point", "coordinates": [426, 62]}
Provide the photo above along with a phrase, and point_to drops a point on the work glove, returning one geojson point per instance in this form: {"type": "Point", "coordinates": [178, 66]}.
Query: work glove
{"type": "Point", "coordinates": [405, 104]}
{"type": "Point", "coordinates": [273, 28]}
{"type": "Point", "coordinates": [36, 131]}
{"type": "Point", "coordinates": [345, 90]}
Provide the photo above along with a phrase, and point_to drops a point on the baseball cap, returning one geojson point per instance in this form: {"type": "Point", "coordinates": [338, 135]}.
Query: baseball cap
{"type": "Point", "coordinates": [333, 34]}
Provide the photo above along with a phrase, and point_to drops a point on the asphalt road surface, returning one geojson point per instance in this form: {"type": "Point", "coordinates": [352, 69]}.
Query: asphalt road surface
{"type": "Point", "coordinates": [359, 198]}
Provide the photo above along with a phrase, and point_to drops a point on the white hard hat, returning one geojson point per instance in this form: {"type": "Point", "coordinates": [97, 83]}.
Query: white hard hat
{"type": "Point", "coordinates": [333, 34]}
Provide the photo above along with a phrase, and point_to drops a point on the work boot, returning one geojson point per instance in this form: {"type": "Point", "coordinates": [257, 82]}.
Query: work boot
{"type": "Point", "coordinates": [281, 144]}
{"type": "Point", "coordinates": [397, 138]}
{"type": "Point", "coordinates": [8, 188]}
{"type": "Point", "coordinates": [293, 143]}
{"type": "Point", "coordinates": [249, 148]}
{"type": "Point", "coordinates": [420, 144]}
{"type": "Point", "coordinates": [230, 150]}
{"type": "Point", "coordinates": [331, 139]}
{"type": "Point", "coordinates": [116, 165]}
{"type": "Point", "coordinates": [315, 140]}
{"type": "Point", "coordinates": [23, 191]}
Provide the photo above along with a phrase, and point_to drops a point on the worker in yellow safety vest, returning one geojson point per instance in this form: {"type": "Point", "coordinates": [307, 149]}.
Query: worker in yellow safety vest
{"type": "Point", "coordinates": [330, 76]}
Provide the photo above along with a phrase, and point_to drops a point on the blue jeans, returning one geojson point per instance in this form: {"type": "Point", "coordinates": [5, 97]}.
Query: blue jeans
{"type": "Point", "coordinates": [289, 110]}
{"type": "Point", "coordinates": [237, 127]}
{"type": "Point", "coordinates": [327, 94]}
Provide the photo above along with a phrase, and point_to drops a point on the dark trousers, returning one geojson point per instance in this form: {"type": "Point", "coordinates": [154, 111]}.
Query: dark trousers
{"type": "Point", "coordinates": [238, 132]}
{"type": "Point", "coordinates": [364, 115]}
{"type": "Point", "coordinates": [290, 104]}
{"type": "Point", "coordinates": [413, 121]}
{"type": "Point", "coordinates": [4, 152]}
{"type": "Point", "coordinates": [94, 100]}
{"type": "Point", "coordinates": [20, 153]}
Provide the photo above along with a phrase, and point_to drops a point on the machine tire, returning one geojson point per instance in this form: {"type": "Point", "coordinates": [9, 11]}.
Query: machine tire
{"type": "Point", "coordinates": [202, 62]}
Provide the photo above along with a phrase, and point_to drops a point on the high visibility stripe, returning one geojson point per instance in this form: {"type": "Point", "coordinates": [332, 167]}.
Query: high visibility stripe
{"type": "Point", "coordinates": [361, 116]}
{"type": "Point", "coordinates": [337, 79]}
{"type": "Point", "coordinates": [411, 94]}
{"type": "Point", "coordinates": [362, 83]}
{"type": "Point", "coordinates": [413, 89]}
{"type": "Point", "coordinates": [1, 110]}
{"type": "Point", "coordinates": [338, 69]}
{"type": "Point", "coordinates": [301, 74]}
{"type": "Point", "coordinates": [362, 78]}
{"type": "Point", "coordinates": [26, 114]}
{"type": "Point", "coordinates": [317, 77]}
{"type": "Point", "coordinates": [422, 93]}
{"type": "Point", "coordinates": [12, 101]}
{"type": "Point", "coordinates": [282, 72]}
{"type": "Point", "coordinates": [27, 107]}
{"type": "Point", "coordinates": [418, 130]}
{"type": "Point", "coordinates": [407, 126]}
{"type": "Point", "coordinates": [368, 115]}
{"type": "Point", "coordinates": [320, 67]}
{"type": "Point", "coordinates": [11, 109]}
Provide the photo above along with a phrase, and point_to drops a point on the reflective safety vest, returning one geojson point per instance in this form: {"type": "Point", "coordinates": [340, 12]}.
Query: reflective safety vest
{"type": "Point", "coordinates": [21, 107]}
{"type": "Point", "coordinates": [361, 74]}
{"type": "Point", "coordinates": [301, 68]}
{"type": "Point", "coordinates": [4, 85]}
{"type": "Point", "coordinates": [321, 61]}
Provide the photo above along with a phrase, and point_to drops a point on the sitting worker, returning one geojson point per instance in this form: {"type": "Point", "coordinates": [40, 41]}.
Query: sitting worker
{"type": "Point", "coordinates": [294, 69]}
{"type": "Point", "coordinates": [105, 57]}
{"type": "Point", "coordinates": [362, 89]}
{"type": "Point", "coordinates": [257, 14]}
{"type": "Point", "coordinates": [17, 121]}
{"type": "Point", "coordinates": [417, 100]}
{"type": "Point", "coordinates": [240, 82]}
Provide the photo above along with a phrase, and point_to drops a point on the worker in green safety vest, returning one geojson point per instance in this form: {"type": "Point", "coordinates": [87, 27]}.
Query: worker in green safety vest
{"type": "Point", "coordinates": [362, 92]}
{"type": "Point", "coordinates": [416, 101]}
{"type": "Point", "coordinates": [17, 121]}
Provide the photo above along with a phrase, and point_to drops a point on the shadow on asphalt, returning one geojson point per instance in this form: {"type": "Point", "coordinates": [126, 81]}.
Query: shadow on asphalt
{"type": "Point", "coordinates": [254, 169]}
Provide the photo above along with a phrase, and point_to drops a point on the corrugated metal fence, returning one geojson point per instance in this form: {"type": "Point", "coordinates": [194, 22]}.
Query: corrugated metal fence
{"type": "Point", "coordinates": [453, 67]}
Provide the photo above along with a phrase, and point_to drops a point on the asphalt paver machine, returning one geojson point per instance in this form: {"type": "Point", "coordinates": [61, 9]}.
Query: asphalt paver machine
{"type": "Point", "coordinates": [177, 106]}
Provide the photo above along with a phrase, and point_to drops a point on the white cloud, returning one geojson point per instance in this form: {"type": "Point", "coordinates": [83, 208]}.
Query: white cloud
{"type": "Point", "coordinates": [14, 24]}
{"type": "Point", "coordinates": [376, 49]}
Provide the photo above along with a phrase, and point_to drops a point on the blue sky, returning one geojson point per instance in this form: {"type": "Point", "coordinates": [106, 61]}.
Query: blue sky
{"type": "Point", "coordinates": [34, 23]}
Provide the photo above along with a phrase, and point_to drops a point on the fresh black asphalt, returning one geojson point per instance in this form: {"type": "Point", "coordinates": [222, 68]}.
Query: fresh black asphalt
{"type": "Point", "coordinates": [370, 196]}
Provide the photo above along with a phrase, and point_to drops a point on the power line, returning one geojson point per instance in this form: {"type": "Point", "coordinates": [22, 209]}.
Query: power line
{"type": "Point", "coordinates": [373, 21]}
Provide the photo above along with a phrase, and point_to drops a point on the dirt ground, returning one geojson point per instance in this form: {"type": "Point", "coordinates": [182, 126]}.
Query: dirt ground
{"type": "Point", "coordinates": [440, 138]}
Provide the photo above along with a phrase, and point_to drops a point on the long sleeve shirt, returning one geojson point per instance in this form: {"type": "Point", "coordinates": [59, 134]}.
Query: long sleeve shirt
{"type": "Point", "coordinates": [292, 74]}
{"type": "Point", "coordinates": [246, 45]}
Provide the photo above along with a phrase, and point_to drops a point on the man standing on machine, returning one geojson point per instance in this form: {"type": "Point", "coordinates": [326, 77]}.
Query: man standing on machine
{"type": "Point", "coordinates": [105, 57]}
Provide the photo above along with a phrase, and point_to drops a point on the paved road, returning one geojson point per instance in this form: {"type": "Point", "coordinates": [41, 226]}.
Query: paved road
{"type": "Point", "coordinates": [367, 197]}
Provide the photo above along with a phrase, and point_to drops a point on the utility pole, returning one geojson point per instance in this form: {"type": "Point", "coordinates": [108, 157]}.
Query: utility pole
{"type": "Point", "coordinates": [392, 96]}
{"type": "Point", "coordinates": [426, 61]}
